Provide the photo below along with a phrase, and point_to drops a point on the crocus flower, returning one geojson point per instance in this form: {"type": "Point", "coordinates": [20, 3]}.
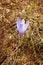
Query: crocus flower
{"type": "Point", "coordinates": [22, 26]}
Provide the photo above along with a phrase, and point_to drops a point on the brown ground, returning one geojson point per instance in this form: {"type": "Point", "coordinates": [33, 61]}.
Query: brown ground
{"type": "Point", "coordinates": [13, 49]}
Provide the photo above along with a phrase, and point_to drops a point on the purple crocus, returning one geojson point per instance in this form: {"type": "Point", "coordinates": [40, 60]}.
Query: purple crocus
{"type": "Point", "coordinates": [22, 26]}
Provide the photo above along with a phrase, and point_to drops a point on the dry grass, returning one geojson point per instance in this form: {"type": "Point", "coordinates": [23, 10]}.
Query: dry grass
{"type": "Point", "coordinates": [27, 50]}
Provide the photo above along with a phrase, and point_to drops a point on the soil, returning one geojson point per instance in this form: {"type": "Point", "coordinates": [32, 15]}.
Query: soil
{"type": "Point", "coordinates": [13, 49]}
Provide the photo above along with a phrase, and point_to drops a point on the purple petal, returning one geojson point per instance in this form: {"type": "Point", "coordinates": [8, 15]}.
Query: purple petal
{"type": "Point", "coordinates": [21, 34]}
{"type": "Point", "coordinates": [18, 23]}
{"type": "Point", "coordinates": [23, 21]}
{"type": "Point", "coordinates": [18, 20]}
{"type": "Point", "coordinates": [21, 28]}
{"type": "Point", "coordinates": [25, 27]}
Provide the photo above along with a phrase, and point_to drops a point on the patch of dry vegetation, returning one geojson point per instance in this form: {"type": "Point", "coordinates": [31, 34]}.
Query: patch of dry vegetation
{"type": "Point", "coordinates": [27, 50]}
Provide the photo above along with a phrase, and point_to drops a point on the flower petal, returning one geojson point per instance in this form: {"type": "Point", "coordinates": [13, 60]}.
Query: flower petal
{"type": "Point", "coordinates": [18, 20]}
{"type": "Point", "coordinates": [21, 26]}
{"type": "Point", "coordinates": [25, 27]}
{"type": "Point", "coordinates": [23, 21]}
{"type": "Point", "coordinates": [18, 23]}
